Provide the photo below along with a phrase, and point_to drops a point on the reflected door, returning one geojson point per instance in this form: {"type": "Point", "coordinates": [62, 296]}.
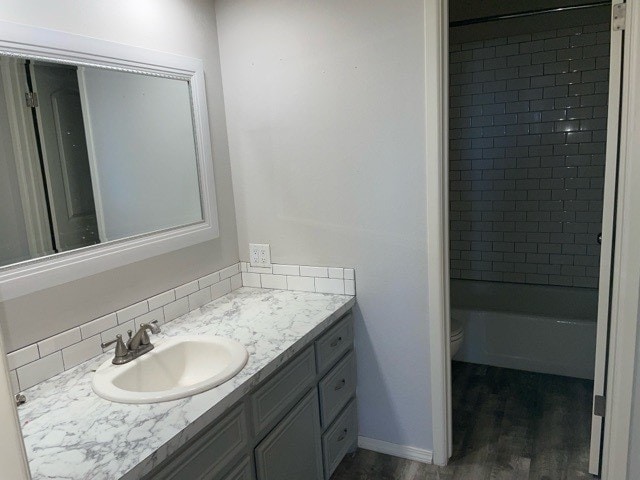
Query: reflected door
{"type": "Point", "coordinates": [65, 158]}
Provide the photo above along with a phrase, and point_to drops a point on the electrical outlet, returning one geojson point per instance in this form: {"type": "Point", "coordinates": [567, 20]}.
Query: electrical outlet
{"type": "Point", "coordinates": [259, 255]}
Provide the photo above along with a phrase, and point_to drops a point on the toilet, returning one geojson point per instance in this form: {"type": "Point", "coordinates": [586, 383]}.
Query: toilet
{"type": "Point", "coordinates": [457, 335]}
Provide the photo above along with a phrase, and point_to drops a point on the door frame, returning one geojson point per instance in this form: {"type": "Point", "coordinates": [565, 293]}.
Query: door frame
{"type": "Point", "coordinates": [625, 297]}
{"type": "Point", "coordinates": [437, 201]}
{"type": "Point", "coordinates": [626, 266]}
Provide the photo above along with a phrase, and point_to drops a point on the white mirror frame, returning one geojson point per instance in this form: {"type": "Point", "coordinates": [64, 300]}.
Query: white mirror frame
{"type": "Point", "coordinates": [45, 272]}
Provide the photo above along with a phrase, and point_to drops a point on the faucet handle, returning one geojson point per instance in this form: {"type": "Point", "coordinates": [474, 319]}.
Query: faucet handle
{"type": "Point", "coordinates": [121, 348]}
{"type": "Point", "coordinates": [155, 328]}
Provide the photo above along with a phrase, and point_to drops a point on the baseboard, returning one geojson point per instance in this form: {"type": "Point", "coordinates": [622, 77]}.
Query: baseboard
{"type": "Point", "coordinates": [402, 451]}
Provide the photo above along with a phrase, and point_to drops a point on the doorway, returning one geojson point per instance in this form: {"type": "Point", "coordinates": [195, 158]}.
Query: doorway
{"type": "Point", "coordinates": [532, 176]}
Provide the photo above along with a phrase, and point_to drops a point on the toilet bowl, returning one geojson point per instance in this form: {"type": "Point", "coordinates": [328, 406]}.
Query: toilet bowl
{"type": "Point", "coordinates": [457, 335]}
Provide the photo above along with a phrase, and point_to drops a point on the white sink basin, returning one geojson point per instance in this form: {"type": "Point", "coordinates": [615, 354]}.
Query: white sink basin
{"type": "Point", "coordinates": [176, 368]}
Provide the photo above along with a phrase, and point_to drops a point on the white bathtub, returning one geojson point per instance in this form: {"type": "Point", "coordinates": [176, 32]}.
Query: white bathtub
{"type": "Point", "coordinates": [527, 327]}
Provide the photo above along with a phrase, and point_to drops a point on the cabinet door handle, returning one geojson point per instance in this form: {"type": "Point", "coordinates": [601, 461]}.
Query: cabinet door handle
{"type": "Point", "coordinates": [340, 385]}
{"type": "Point", "coordinates": [343, 435]}
{"type": "Point", "coordinates": [336, 342]}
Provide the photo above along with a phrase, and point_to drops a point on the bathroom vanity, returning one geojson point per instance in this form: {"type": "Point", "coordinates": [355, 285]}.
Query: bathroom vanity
{"type": "Point", "coordinates": [298, 423]}
{"type": "Point", "coordinates": [290, 413]}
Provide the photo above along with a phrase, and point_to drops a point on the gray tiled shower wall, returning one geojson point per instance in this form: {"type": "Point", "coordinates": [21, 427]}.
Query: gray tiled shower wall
{"type": "Point", "coordinates": [527, 150]}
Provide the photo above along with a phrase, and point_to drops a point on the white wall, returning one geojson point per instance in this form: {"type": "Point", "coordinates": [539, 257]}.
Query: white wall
{"type": "Point", "coordinates": [325, 105]}
{"type": "Point", "coordinates": [184, 27]}
{"type": "Point", "coordinates": [142, 151]}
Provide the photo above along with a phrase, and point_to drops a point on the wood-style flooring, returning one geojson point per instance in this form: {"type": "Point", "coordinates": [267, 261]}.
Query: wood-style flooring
{"type": "Point", "coordinates": [507, 424]}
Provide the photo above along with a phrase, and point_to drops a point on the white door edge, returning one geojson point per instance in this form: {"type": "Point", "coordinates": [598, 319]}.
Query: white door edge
{"type": "Point", "coordinates": [626, 265]}
{"type": "Point", "coordinates": [606, 249]}
{"type": "Point", "coordinates": [436, 114]}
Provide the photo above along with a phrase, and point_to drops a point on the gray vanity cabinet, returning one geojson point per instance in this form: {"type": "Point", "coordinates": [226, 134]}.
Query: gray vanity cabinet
{"type": "Point", "coordinates": [297, 424]}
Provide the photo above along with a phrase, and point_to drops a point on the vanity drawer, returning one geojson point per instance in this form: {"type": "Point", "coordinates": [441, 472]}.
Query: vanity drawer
{"type": "Point", "coordinates": [209, 454]}
{"type": "Point", "coordinates": [333, 344]}
{"type": "Point", "coordinates": [277, 396]}
{"type": "Point", "coordinates": [339, 438]}
{"type": "Point", "coordinates": [337, 387]}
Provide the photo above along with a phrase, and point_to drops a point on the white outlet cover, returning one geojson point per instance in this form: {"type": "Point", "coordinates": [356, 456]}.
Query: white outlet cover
{"type": "Point", "coordinates": [259, 255]}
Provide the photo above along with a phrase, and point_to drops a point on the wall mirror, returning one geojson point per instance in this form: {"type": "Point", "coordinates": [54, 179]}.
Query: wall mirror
{"type": "Point", "coordinates": [105, 157]}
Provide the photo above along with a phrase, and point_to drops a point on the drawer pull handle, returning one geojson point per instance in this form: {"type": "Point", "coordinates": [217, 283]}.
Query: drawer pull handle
{"type": "Point", "coordinates": [340, 385]}
{"type": "Point", "coordinates": [343, 435]}
{"type": "Point", "coordinates": [336, 342]}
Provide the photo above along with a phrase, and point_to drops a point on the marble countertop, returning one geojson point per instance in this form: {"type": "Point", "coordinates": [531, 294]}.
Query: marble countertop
{"type": "Point", "coordinates": [71, 433]}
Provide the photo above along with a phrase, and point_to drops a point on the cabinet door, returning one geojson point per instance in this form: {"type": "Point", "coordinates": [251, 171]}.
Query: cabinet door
{"type": "Point", "coordinates": [209, 454]}
{"type": "Point", "coordinates": [280, 392]}
{"type": "Point", "coordinates": [242, 471]}
{"type": "Point", "coordinates": [292, 451]}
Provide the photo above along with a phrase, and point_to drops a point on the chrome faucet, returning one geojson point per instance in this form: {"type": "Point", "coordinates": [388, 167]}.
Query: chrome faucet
{"type": "Point", "coordinates": [137, 345]}
{"type": "Point", "coordinates": [141, 338]}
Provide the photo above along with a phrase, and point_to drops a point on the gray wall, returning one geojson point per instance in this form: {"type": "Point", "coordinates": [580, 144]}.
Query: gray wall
{"type": "Point", "coordinates": [175, 26]}
{"type": "Point", "coordinates": [326, 115]}
{"type": "Point", "coordinates": [527, 149]}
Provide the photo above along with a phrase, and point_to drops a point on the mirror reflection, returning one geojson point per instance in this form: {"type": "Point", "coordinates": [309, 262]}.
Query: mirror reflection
{"type": "Point", "coordinates": [90, 155]}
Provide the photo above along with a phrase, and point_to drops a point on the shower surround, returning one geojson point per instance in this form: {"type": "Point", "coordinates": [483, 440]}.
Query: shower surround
{"type": "Point", "coordinates": [528, 124]}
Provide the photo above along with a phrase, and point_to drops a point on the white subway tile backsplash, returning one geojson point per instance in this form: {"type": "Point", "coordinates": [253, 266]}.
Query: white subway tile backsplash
{"type": "Point", "coordinates": [303, 284]}
{"type": "Point", "coordinates": [101, 324]}
{"type": "Point", "coordinates": [199, 298]}
{"type": "Point", "coordinates": [40, 370]}
{"type": "Point", "coordinates": [349, 287]}
{"type": "Point", "coordinates": [251, 269]}
{"type": "Point", "coordinates": [349, 274]}
{"type": "Point", "coordinates": [335, 272]}
{"type": "Point", "coordinates": [251, 279]}
{"type": "Point", "coordinates": [330, 285]}
{"type": "Point", "coordinates": [132, 311]}
{"type": "Point", "coordinates": [209, 280]}
{"type": "Point", "coordinates": [23, 356]}
{"type": "Point", "coordinates": [175, 309]}
{"type": "Point", "coordinates": [273, 281]}
{"type": "Point", "coordinates": [81, 352]}
{"type": "Point", "coordinates": [162, 299]}
{"type": "Point", "coordinates": [229, 271]}
{"type": "Point", "coordinates": [222, 288]}
{"type": "Point", "coordinates": [236, 281]}
{"type": "Point", "coordinates": [59, 341]}
{"type": "Point", "coordinates": [314, 271]}
{"type": "Point", "coordinates": [286, 269]}
{"type": "Point", "coordinates": [186, 289]}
